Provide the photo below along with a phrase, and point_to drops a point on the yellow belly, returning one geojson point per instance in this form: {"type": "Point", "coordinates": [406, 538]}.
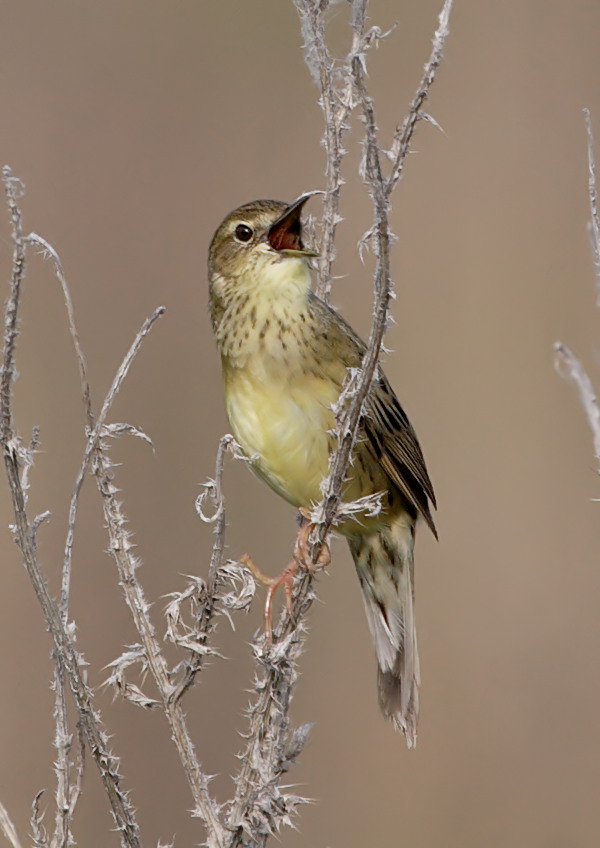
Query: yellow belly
{"type": "Point", "coordinates": [283, 423]}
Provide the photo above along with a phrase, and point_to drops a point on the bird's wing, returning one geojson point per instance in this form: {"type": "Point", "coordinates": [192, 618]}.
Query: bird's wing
{"type": "Point", "coordinates": [389, 434]}
{"type": "Point", "coordinates": [394, 442]}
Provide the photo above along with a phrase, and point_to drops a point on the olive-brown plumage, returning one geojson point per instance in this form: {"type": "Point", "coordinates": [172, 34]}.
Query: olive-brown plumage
{"type": "Point", "coordinates": [285, 355]}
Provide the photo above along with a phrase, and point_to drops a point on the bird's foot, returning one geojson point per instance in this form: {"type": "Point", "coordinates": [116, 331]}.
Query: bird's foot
{"type": "Point", "coordinates": [302, 552]}
{"type": "Point", "coordinates": [285, 579]}
{"type": "Point", "coordinates": [302, 556]}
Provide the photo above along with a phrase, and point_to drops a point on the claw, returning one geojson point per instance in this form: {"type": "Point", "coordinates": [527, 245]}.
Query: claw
{"type": "Point", "coordinates": [286, 579]}
{"type": "Point", "coordinates": [302, 552]}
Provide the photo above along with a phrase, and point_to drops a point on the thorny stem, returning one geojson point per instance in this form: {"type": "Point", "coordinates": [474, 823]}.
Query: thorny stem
{"type": "Point", "coordinates": [8, 829]}
{"type": "Point", "coordinates": [337, 104]}
{"type": "Point", "coordinates": [594, 226]}
{"type": "Point", "coordinates": [205, 620]}
{"type": "Point", "coordinates": [121, 550]}
{"type": "Point", "coordinates": [380, 189]}
{"type": "Point", "coordinates": [567, 364]}
{"type": "Point", "coordinates": [271, 744]}
{"type": "Point", "coordinates": [269, 723]}
{"type": "Point", "coordinates": [66, 795]}
{"type": "Point", "coordinates": [63, 646]}
{"type": "Point", "coordinates": [404, 131]}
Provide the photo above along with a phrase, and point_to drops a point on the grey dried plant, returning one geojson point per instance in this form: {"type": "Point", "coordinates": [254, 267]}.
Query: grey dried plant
{"type": "Point", "coordinates": [567, 363]}
{"type": "Point", "coordinates": [261, 804]}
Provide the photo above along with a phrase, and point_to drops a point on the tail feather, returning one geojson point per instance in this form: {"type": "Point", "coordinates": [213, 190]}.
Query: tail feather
{"type": "Point", "coordinates": [384, 563]}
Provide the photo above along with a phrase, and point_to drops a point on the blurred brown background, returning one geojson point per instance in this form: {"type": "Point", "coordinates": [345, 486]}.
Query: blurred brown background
{"type": "Point", "coordinates": [136, 127]}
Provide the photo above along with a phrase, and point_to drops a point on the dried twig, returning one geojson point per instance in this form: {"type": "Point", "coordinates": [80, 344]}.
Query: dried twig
{"type": "Point", "coordinates": [594, 225]}
{"type": "Point", "coordinates": [121, 549]}
{"type": "Point", "coordinates": [337, 102]}
{"type": "Point", "coordinates": [570, 367]}
{"type": "Point", "coordinates": [66, 794]}
{"type": "Point", "coordinates": [404, 132]}
{"type": "Point", "coordinates": [13, 453]}
{"type": "Point", "coordinates": [48, 251]}
{"type": "Point", "coordinates": [205, 595]}
{"type": "Point", "coordinates": [567, 363]}
{"type": "Point", "coordinates": [350, 405]}
{"type": "Point", "coordinates": [259, 807]}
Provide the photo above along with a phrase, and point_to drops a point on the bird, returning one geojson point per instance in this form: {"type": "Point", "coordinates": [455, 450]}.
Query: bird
{"type": "Point", "coordinates": [285, 354]}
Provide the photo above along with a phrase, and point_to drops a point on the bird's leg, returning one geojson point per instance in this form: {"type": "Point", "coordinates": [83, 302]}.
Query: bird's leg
{"type": "Point", "coordinates": [286, 578]}
{"type": "Point", "coordinates": [302, 552]}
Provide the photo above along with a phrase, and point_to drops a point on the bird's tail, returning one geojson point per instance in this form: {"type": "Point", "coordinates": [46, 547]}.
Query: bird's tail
{"type": "Point", "coordinates": [384, 563]}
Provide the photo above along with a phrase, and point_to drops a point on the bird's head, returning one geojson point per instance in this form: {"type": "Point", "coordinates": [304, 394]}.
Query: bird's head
{"type": "Point", "coordinates": [259, 247]}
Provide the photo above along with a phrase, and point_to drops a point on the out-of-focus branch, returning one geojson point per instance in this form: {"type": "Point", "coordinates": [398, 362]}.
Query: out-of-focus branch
{"type": "Point", "coordinates": [594, 225]}
{"type": "Point", "coordinates": [570, 367]}
{"type": "Point", "coordinates": [8, 829]}
{"type": "Point", "coordinates": [567, 363]}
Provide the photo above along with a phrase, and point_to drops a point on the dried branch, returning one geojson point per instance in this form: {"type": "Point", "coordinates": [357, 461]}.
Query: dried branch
{"type": "Point", "coordinates": [259, 807]}
{"type": "Point", "coordinates": [351, 403]}
{"type": "Point", "coordinates": [13, 453]}
{"type": "Point", "coordinates": [567, 364]}
{"type": "Point", "coordinates": [594, 225]}
{"type": "Point", "coordinates": [62, 742]}
{"type": "Point", "coordinates": [404, 132]}
{"type": "Point", "coordinates": [205, 596]}
{"type": "Point", "coordinates": [38, 831]}
{"type": "Point", "coordinates": [337, 102]}
{"type": "Point", "coordinates": [121, 548]}
{"type": "Point", "coordinates": [66, 794]}
{"type": "Point", "coordinates": [571, 368]}
{"type": "Point", "coordinates": [47, 250]}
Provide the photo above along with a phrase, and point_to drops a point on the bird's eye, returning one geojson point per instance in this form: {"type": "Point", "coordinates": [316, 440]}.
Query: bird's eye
{"type": "Point", "coordinates": [243, 232]}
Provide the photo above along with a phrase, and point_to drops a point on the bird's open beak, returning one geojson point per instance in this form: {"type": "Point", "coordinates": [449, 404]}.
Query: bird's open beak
{"type": "Point", "coordinates": [285, 234]}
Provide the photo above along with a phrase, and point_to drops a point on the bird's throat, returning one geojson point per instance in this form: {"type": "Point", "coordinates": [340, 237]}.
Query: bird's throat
{"type": "Point", "coordinates": [266, 315]}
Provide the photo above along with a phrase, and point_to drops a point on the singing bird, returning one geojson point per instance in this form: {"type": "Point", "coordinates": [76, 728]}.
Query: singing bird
{"type": "Point", "coordinates": [285, 354]}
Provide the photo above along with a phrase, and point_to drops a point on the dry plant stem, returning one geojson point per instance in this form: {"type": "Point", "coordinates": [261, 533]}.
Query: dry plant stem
{"type": "Point", "coordinates": [66, 795]}
{"type": "Point", "coordinates": [48, 250]}
{"type": "Point", "coordinates": [337, 104]}
{"type": "Point", "coordinates": [62, 743]}
{"type": "Point", "coordinates": [573, 370]}
{"type": "Point", "coordinates": [404, 131]}
{"type": "Point", "coordinates": [63, 646]}
{"type": "Point", "coordinates": [566, 361]}
{"type": "Point", "coordinates": [259, 806]}
{"type": "Point", "coordinates": [121, 550]}
{"type": "Point", "coordinates": [269, 729]}
{"type": "Point", "coordinates": [380, 189]}
{"type": "Point", "coordinates": [594, 226]}
{"type": "Point", "coordinates": [195, 659]}
{"type": "Point", "coordinates": [8, 829]}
